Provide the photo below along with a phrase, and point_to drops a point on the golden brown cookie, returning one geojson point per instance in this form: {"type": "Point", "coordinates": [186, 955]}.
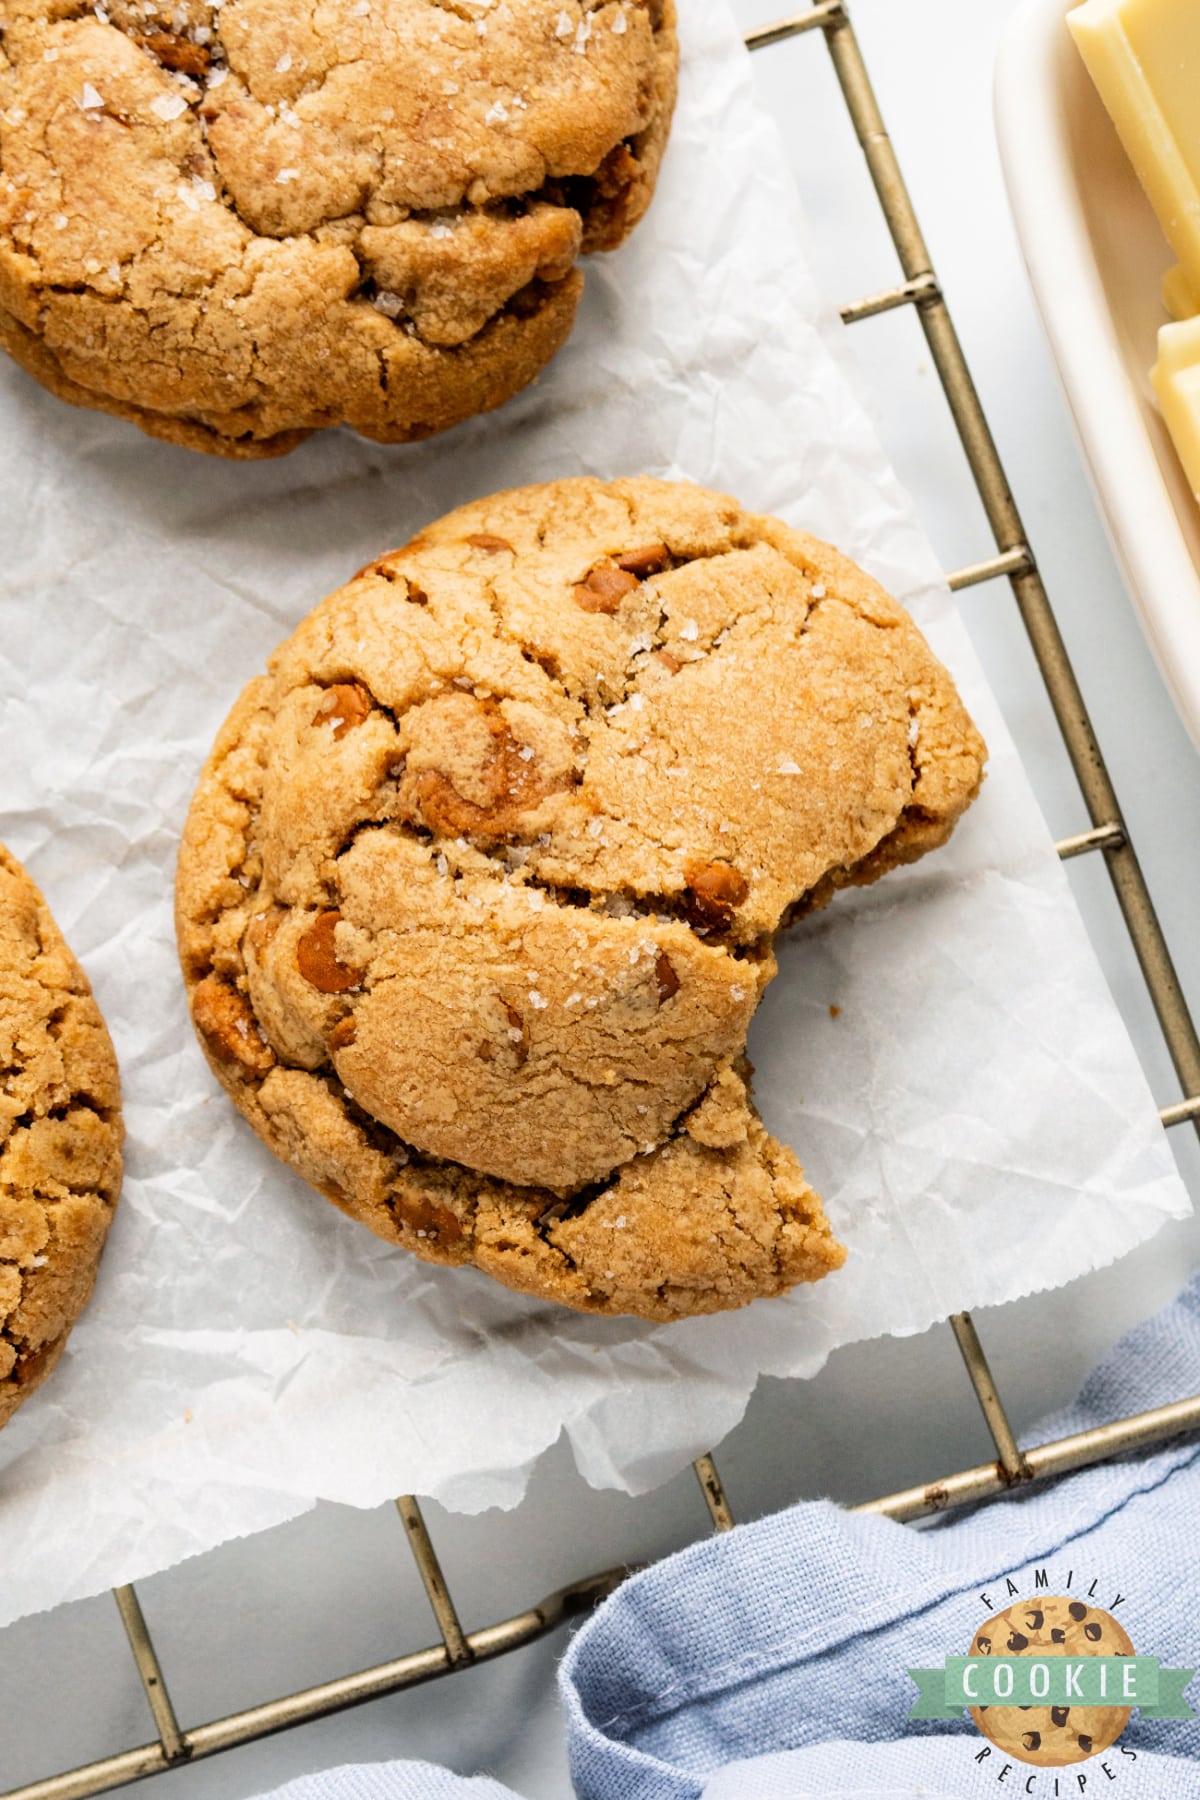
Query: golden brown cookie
{"type": "Point", "coordinates": [478, 891]}
{"type": "Point", "coordinates": [1051, 1625]}
{"type": "Point", "coordinates": [237, 223]}
{"type": "Point", "coordinates": [60, 1138]}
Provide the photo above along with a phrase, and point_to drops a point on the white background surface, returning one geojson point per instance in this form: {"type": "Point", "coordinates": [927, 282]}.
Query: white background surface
{"type": "Point", "coordinates": [335, 1591]}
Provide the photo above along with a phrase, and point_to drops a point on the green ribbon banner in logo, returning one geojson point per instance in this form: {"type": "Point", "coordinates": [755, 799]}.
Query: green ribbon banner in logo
{"type": "Point", "coordinates": [1052, 1681]}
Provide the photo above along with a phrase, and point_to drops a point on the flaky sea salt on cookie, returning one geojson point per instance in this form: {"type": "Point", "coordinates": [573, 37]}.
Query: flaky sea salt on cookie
{"type": "Point", "coordinates": [236, 223]}
{"type": "Point", "coordinates": [60, 1138]}
{"type": "Point", "coordinates": [479, 888]}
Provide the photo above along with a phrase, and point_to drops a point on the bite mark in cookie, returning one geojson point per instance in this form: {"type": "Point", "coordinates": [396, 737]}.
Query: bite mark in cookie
{"type": "Point", "coordinates": [500, 938]}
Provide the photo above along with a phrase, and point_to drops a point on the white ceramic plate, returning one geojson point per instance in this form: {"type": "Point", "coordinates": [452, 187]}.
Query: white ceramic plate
{"type": "Point", "coordinates": [1096, 258]}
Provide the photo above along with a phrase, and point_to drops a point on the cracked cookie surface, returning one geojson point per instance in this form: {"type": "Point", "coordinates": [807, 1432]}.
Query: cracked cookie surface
{"type": "Point", "coordinates": [479, 887]}
{"type": "Point", "coordinates": [235, 222]}
{"type": "Point", "coordinates": [60, 1138]}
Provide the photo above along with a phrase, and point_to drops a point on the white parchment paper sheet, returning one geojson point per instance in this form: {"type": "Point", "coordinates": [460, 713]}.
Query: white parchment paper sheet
{"type": "Point", "coordinates": [975, 1116]}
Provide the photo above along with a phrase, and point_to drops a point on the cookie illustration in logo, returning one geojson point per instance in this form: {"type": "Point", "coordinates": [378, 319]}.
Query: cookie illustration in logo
{"type": "Point", "coordinates": [1051, 1625]}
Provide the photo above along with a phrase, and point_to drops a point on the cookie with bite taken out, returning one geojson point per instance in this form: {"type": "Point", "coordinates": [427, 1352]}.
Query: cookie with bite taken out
{"type": "Point", "coordinates": [480, 885]}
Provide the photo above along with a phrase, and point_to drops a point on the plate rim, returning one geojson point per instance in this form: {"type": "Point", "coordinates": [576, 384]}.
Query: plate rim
{"type": "Point", "coordinates": [1160, 572]}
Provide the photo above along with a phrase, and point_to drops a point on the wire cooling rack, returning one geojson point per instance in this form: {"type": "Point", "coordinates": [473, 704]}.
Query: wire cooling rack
{"type": "Point", "coordinates": [1105, 835]}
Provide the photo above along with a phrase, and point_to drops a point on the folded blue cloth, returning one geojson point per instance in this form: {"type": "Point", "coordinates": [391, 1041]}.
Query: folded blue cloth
{"type": "Point", "coordinates": [391, 1781]}
{"type": "Point", "coordinates": [771, 1663]}
{"type": "Point", "coordinates": [800, 1628]}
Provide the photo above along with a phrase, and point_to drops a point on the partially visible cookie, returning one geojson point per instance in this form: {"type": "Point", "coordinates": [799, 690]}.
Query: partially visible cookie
{"type": "Point", "coordinates": [478, 891]}
{"type": "Point", "coordinates": [60, 1138]}
{"type": "Point", "coordinates": [235, 222]}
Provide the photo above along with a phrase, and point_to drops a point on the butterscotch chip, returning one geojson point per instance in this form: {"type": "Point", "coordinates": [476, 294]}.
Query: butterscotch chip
{"type": "Point", "coordinates": [345, 705]}
{"type": "Point", "coordinates": [235, 223]}
{"type": "Point", "coordinates": [604, 588]}
{"type": "Point", "coordinates": [666, 980]}
{"type": "Point", "coordinates": [528, 904]}
{"type": "Point", "coordinates": [60, 1138]}
{"type": "Point", "coordinates": [487, 540]}
{"type": "Point", "coordinates": [468, 772]}
{"type": "Point", "coordinates": [648, 560]}
{"type": "Point", "coordinates": [424, 1219]}
{"type": "Point", "coordinates": [228, 1027]}
{"type": "Point", "coordinates": [177, 53]}
{"type": "Point", "coordinates": [317, 958]}
{"type": "Point", "coordinates": [714, 891]}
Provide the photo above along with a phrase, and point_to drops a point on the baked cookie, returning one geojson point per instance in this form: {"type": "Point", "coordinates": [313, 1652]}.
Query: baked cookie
{"type": "Point", "coordinates": [478, 891]}
{"type": "Point", "coordinates": [237, 221]}
{"type": "Point", "coordinates": [1051, 1625]}
{"type": "Point", "coordinates": [60, 1138]}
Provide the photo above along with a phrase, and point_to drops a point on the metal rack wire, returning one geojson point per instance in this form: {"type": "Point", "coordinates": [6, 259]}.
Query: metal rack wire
{"type": "Point", "coordinates": [1105, 835]}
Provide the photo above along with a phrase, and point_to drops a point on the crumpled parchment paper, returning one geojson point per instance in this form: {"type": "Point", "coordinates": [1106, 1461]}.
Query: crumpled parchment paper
{"type": "Point", "coordinates": [975, 1116]}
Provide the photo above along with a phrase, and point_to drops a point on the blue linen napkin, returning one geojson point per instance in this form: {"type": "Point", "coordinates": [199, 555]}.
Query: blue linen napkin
{"type": "Point", "coordinates": [391, 1781]}
{"type": "Point", "coordinates": [800, 1628]}
{"type": "Point", "coordinates": [771, 1663]}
